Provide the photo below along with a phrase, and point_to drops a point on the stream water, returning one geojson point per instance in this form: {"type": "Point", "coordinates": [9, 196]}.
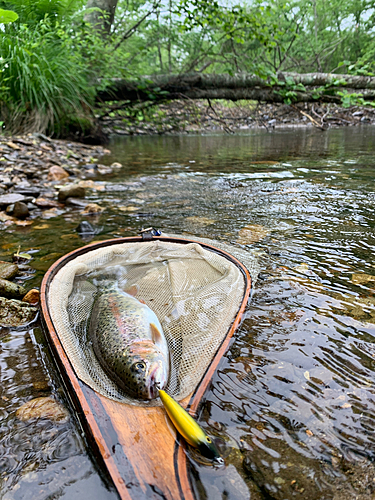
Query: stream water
{"type": "Point", "coordinates": [293, 402]}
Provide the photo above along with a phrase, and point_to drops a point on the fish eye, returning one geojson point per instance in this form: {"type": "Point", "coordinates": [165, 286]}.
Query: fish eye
{"type": "Point", "coordinates": [208, 439]}
{"type": "Point", "coordinates": [139, 366]}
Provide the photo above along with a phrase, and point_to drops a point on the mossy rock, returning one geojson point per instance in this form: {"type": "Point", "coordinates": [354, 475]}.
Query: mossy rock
{"type": "Point", "coordinates": [15, 312]}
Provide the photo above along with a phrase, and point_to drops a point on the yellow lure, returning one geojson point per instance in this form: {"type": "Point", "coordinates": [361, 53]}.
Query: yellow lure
{"type": "Point", "coordinates": [189, 429]}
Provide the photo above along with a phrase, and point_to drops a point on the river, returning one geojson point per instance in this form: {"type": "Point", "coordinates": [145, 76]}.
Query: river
{"type": "Point", "coordinates": [292, 403]}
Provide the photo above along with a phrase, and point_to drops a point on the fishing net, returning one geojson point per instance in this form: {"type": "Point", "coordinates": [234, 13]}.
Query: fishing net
{"type": "Point", "coordinates": [195, 292]}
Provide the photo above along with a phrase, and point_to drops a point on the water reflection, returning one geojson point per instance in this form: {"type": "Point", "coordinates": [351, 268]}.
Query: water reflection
{"type": "Point", "coordinates": [293, 401]}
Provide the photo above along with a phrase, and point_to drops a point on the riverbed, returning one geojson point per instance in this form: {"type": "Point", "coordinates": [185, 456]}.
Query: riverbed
{"type": "Point", "coordinates": [292, 403]}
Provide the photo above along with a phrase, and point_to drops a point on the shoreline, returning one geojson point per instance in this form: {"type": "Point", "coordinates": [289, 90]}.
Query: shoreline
{"type": "Point", "coordinates": [186, 117]}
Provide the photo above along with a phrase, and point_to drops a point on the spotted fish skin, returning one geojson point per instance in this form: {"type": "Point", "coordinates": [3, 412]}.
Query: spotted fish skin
{"type": "Point", "coordinates": [129, 342]}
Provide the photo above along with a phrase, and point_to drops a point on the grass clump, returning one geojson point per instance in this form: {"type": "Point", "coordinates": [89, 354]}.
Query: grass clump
{"type": "Point", "coordinates": [43, 79]}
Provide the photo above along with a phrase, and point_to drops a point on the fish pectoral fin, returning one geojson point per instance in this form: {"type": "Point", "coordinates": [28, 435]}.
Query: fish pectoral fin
{"type": "Point", "coordinates": [157, 336]}
{"type": "Point", "coordinates": [132, 290]}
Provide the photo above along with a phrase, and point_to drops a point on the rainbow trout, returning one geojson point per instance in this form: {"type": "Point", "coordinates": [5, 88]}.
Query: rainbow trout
{"type": "Point", "coordinates": [128, 340]}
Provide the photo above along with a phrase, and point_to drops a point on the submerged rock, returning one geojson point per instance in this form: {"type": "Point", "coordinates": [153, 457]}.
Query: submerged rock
{"type": "Point", "coordinates": [11, 290]}
{"type": "Point", "coordinates": [15, 312]}
{"type": "Point", "coordinates": [43, 407]}
{"type": "Point", "coordinates": [85, 228]}
{"type": "Point", "coordinates": [8, 270]}
{"type": "Point", "coordinates": [251, 234]}
{"type": "Point", "coordinates": [92, 208]}
{"type": "Point", "coordinates": [285, 474]}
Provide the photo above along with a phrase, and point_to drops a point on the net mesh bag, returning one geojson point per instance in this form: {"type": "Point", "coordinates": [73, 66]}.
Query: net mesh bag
{"type": "Point", "coordinates": [195, 293]}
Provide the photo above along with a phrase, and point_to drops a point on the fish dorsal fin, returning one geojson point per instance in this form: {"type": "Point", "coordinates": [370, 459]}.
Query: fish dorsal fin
{"type": "Point", "coordinates": [157, 336]}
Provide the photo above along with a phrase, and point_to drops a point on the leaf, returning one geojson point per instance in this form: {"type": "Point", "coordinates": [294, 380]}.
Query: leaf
{"type": "Point", "coordinates": [24, 255]}
{"type": "Point", "coordinates": [7, 16]}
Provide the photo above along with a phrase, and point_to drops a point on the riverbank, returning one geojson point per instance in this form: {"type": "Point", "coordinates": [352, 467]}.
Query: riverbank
{"type": "Point", "coordinates": [40, 176]}
{"type": "Point", "coordinates": [187, 116]}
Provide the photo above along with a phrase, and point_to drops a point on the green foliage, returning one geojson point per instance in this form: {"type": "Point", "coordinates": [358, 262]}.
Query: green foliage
{"type": "Point", "coordinates": [353, 99]}
{"type": "Point", "coordinates": [52, 62]}
{"type": "Point", "coordinates": [42, 78]}
{"type": "Point", "coordinates": [33, 11]}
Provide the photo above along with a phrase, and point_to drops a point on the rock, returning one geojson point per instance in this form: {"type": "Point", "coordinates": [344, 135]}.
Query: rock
{"type": "Point", "coordinates": [57, 173]}
{"type": "Point", "coordinates": [11, 290]}
{"type": "Point", "coordinates": [50, 213]}
{"type": "Point", "coordinates": [71, 191]}
{"type": "Point", "coordinates": [90, 166]}
{"type": "Point", "coordinates": [44, 407]}
{"type": "Point", "coordinates": [251, 234]}
{"type": "Point", "coordinates": [8, 199]}
{"type": "Point", "coordinates": [5, 180]}
{"type": "Point", "coordinates": [85, 228]}
{"type": "Point", "coordinates": [15, 313]}
{"type": "Point", "coordinates": [20, 210]}
{"type": "Point", "coordinates": [103, 170]}
{"type": "Point", "coordinates": [32, 297]}
{"type": "Point", "coordinates": [283, 475]}
{"type": "Point", "coordinates": [116, 164]}
{"type": "Point", "coordinates": [8, 270]}
{"type": "Point", "coordinates": [203, 221]}
{"type": "Point", "coordinates": [13, 146]}
{"type": "Point", "coordinates": [28, 191]}
{"type": "Point", "coordinates": [76, 202]}
{"type": "Point", "coordinates": [9, 209]}
{"type": "Point", "coordinates": [360, 482]}
{"type": "Point", "coordinates": [92, 208]}
{"type": "Point", "coordinates": [362, 278]}
{"type": "Point", "coordinates": [47, 203]}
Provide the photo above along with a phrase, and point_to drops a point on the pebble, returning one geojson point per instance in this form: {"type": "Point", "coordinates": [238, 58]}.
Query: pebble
{"type": "Point", "coordinates": [43, 407]}
{"type": "Point", "coordinates": [32, 297]}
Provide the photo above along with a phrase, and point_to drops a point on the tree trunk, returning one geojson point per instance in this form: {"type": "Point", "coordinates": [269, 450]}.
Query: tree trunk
{"type": "Point", "coordinates": [240, 86]}
{"type": "Point", "coordinates": [102, 21]}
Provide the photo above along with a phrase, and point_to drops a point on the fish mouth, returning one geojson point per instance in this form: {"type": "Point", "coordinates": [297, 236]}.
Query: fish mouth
{"type": "Point", "coordinates": [156, 380]}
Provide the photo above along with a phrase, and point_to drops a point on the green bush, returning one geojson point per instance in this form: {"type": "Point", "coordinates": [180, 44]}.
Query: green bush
{"type": "Point", "coordinates": [43, 78]}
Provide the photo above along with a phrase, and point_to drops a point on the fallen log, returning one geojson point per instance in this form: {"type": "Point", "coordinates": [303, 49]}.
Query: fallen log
{"type": "Point", "coordinates": [312, 87]}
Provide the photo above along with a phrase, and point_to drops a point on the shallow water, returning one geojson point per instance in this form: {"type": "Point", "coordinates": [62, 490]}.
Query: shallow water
{"type": "Point", "coordinates": [292, 403]}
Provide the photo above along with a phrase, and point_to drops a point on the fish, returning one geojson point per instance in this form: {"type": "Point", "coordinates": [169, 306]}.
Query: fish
{"type": "Point", "coordinates": [129, 342]}
{"type": "Point", "coordinates": [189, 429]}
